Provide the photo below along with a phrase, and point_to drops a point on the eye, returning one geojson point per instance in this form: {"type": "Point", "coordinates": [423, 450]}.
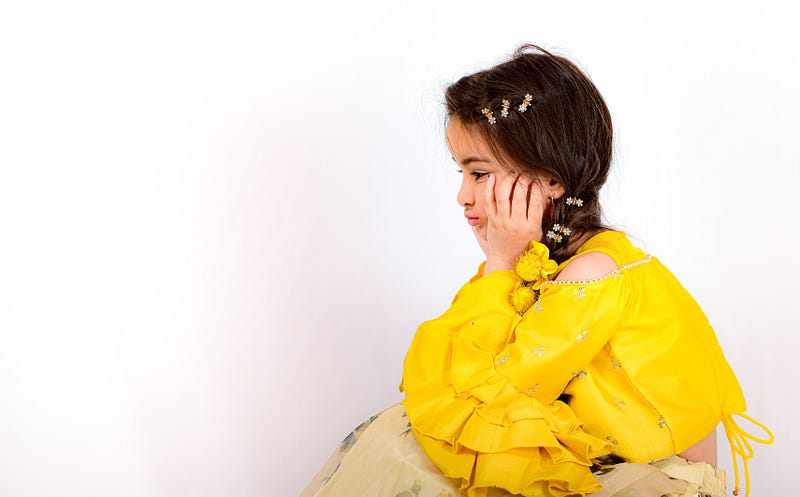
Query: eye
{"type": "Point", "coordinates": [478, 174]}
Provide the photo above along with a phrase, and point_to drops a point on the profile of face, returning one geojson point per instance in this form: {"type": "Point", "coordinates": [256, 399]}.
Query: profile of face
{"type": "Point", "coordinates": [476, 161]}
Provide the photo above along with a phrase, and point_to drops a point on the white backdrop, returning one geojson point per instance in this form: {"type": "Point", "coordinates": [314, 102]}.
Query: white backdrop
{"type": "Point", "coordinates": [221, 222]}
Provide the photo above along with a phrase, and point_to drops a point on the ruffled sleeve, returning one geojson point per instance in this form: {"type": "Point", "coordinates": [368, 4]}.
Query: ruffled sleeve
{"type": "Point", "coordinates": [482, 380]}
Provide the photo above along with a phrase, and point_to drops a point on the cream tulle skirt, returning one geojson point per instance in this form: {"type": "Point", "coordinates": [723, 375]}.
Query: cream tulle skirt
{"type": "Point", "coordinates": [381, 458]}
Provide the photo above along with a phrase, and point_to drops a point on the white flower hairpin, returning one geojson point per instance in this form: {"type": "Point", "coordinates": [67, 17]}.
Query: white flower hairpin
{"type": "Point", "coordinates": [506, 105]}
{"type": "Point", "coordinates": [558, 232]}
{"type": "Point", "coordinates": [525, 103]}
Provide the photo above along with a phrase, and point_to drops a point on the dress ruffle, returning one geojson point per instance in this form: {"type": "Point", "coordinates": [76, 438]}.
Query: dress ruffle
{"type": "Point", "coordinates": [535, 450]}
{"type": "Point", "coordinates": [476, 427]}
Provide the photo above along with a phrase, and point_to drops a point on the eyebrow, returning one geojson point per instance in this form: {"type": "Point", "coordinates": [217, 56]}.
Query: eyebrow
{"type": "Point", "coordinates": [469, 160]}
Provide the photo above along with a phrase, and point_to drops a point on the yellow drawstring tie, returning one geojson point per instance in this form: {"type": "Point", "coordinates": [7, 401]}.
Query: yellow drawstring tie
{"type": "Point", "coordinates": [737, 438]}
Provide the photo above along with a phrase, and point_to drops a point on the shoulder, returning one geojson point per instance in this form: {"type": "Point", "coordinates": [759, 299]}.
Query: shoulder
{"type": "Point", "coordinates": [587, 266]}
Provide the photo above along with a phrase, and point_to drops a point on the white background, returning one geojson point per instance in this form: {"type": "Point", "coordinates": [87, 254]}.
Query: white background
{"type": "Point", "coordinates": [221, 222]}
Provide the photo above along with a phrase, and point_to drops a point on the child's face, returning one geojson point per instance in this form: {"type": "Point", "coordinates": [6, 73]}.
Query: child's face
{"type": "Point", "coordinates": [475, 161]}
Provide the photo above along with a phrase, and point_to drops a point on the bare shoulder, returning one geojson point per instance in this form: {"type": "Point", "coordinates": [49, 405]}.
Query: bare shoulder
{"type": "Point", "coordinates": [587, 266]}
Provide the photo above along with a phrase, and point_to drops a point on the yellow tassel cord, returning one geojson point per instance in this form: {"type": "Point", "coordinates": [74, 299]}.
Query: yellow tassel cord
{"type": "Point", "coordinates": [738, 440]}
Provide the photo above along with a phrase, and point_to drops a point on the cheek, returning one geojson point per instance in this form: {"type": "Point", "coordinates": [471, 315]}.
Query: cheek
{"type": "Point", "coordinates": [478, 207]}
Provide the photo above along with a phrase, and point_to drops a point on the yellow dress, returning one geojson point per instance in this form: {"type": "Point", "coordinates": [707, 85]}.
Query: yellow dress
{"type": "Point", "coordinates": [647, 376]}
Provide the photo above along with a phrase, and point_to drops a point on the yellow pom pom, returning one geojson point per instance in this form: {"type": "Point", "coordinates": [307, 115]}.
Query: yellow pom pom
{"type": "Point", "coordinates": [522, 298]}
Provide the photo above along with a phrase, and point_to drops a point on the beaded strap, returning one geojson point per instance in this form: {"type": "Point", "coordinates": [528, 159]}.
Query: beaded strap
{"type": "Point", "coordinates": [612, 274]}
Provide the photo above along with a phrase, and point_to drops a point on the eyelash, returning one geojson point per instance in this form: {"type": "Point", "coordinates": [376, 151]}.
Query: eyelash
{"type": "Point", "coordinates": [477, 174]}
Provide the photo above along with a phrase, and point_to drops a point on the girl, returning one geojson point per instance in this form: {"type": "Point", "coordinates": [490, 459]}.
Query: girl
{"type": "Point", "coordinates": [570, 350]}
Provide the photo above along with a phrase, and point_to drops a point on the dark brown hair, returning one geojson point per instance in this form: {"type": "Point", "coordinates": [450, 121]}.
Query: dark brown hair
{"type": "Point", "coordinates": [565, 132]}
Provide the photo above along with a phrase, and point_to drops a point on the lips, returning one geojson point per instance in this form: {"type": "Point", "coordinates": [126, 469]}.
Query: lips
{"type": "Point", "coordinates": [472, 220]}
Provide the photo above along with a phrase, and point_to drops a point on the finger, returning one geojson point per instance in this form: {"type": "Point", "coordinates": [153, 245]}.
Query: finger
{"type": "Point", "coordinates": [502, 194]}
{"type": "Point", "coordinates": [528, 200]}
{"type": "Point", "coordinates": [519, 199]}
{"type": "Point", "coordinates": [488, 196]}
{"type": "Point", "coordinates": [537, 202]}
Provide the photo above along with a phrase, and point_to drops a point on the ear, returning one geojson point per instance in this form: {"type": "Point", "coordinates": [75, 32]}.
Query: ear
{"type": "Point", "coordinates": [553, 188]}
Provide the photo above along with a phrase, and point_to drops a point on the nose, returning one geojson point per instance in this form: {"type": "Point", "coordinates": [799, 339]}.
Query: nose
{"type": "Point", "coordinates": [466, 194]}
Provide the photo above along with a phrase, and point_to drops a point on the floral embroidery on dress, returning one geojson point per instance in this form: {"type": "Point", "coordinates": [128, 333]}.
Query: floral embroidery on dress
{"type": "Point", "coordinates": [351, 438]}
{"type": "Point", "coordinates": [534, 388]}
{"type": "Point", "coordinates": [619, 402]}
{"type": "Point", "coordinates": [538, 351]}
{"type": "Point", "coordinates": [580, 293]}
{"type": "Point", "coordinates": [328, 478]}
{"type": "Point", "coordinates": [580, 374]}
{"type": "Point", "coordinates": [349, 441]}
{"type": "Point", "coordinates": [580, 337]}
{"type": "Point", "coordinates": [413, 491]}
{"type": "Point", "coordinates": [503, 359]}
{"type": "Point", "coordinates": [615, 363]}
{"type": "Point", "coordinates": [406, 432]}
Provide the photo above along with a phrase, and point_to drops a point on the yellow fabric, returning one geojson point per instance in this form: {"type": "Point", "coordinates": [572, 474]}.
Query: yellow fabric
{"type": "Point", "coordinates": [647, 376]}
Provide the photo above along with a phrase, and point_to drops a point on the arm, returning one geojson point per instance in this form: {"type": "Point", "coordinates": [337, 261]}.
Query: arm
{"type": "Point", "coordinates": [703, 451]}
{"type": "Point", "coordinates": [558, 336]}
{"type": "Point", "coordinates": [481, 382]}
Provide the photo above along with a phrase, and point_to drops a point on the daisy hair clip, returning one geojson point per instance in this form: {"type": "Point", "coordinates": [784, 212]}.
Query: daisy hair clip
{"type": "Point", "coordinates": [558, 232]}
{"type": "Point", "coordinates": [505, 107]}
{"type": "Point", "coordinates": [489, 115]}
{"type": "Point", "coordinates": [574, 201]}
{"type": "Point", "coordinates": [525, 103]}
{"type": "Point", "coordinates": [504, 111]}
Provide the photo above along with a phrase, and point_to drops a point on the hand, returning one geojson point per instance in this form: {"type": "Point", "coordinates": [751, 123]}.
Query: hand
{"type": "Point", "coordinates": [514, 206]}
